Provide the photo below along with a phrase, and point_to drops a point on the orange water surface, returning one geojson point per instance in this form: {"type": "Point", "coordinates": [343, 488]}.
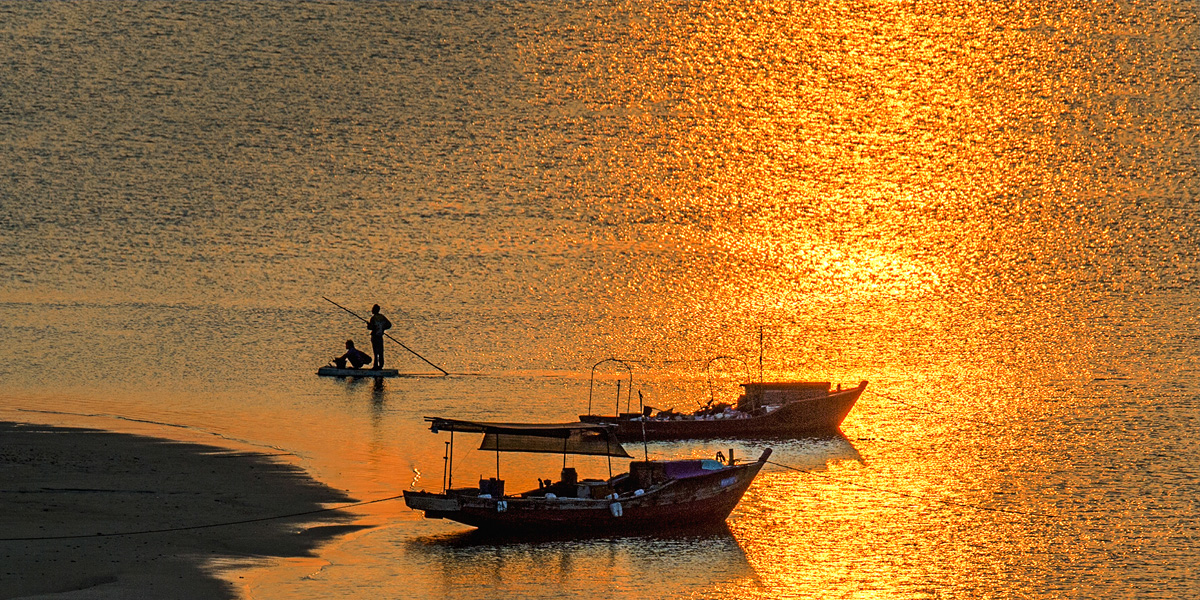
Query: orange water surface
{"type": "Point", "coordinates": [988, 211]}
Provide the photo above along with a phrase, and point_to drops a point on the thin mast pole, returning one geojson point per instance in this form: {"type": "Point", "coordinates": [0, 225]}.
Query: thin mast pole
{"type": "Point", "coordinates": [450, 473]}
{"type": "Point", "coordinates": [608, 449]}
{"type": "Point", "coordinates": [760, 353]}
{"type": "Point", "coordinates": [645, 445]}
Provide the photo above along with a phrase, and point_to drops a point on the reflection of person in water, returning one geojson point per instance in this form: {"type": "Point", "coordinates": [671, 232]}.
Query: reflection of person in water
{"type": "Point", "coordinates": [356, 357]}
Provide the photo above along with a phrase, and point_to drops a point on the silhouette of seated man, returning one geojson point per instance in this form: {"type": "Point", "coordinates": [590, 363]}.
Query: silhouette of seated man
{"type": "Point", "coordinates": [357, 358]}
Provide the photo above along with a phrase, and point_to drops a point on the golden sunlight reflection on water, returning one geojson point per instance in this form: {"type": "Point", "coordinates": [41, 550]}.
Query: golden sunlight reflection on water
{"type": "Point", "coordinates": [851, 158]}
{"type": "Point", "coordinates": [852, 169]}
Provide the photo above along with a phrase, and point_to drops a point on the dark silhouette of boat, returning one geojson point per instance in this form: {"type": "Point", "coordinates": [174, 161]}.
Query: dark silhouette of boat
{"type": "Point", "coordinates": [765, 410]}
{"type": "Point", "coordinates": [652, 496]}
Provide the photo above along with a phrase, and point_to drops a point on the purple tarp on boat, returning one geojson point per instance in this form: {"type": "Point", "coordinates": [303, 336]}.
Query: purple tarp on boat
{"type": "Point", "coordinates": [682, 469]}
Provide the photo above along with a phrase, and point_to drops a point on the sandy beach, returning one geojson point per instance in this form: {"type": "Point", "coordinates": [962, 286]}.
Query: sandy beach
{"type": "Point", "coordinates": [94, 514]}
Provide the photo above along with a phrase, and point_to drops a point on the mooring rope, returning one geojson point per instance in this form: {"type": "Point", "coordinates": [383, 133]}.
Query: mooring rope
{"type": "Point", "coordinates": [919, 496]}
{"type": "Point", "coordinates": [193, 527]}
{"type": "Point", "coordinates": [396, 497]}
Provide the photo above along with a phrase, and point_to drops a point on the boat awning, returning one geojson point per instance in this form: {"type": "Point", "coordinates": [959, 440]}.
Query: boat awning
{"type": "Point", "coordinates": [555, 438]}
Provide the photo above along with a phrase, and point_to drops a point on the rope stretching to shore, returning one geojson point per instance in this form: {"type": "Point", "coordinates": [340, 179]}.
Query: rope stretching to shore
{"type": "Point", "coordinates": [397, 497]}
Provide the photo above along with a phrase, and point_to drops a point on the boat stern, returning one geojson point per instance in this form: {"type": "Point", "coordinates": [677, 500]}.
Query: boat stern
{"type": "Point", "coordinates": [432, 503]}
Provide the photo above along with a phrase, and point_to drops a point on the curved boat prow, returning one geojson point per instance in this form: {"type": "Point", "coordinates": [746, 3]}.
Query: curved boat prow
{"type": "Point", "coordinates": [764, 456]}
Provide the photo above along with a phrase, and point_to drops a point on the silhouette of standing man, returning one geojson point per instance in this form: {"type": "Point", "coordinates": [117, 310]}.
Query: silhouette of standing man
{"type": "Point", "coordinates": [377, 325]}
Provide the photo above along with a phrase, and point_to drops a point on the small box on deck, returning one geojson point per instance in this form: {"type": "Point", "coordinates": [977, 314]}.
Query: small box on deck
{"type": "Point", "coordinates": [492, 486]}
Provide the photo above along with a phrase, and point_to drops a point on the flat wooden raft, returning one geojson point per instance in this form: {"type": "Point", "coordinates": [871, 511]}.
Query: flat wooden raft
{"type": "Point", "coordinates": [336, 372]}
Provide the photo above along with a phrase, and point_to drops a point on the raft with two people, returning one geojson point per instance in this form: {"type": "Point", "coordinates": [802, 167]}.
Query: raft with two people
{"type": "Point", "coordinates": [353, 362]}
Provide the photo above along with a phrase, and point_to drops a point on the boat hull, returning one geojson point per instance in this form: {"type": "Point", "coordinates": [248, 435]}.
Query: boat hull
{"type": "Point", "coordinates": [816, 415]}
{"type": "Point", "coordinates": [678, 504]}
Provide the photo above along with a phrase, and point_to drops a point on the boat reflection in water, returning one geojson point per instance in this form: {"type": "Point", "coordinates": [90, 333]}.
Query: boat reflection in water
{"type": "Point", "coordinates": [811, 453]}
{"type": "Point", "coordinates": [652, 496]}
{"type": "Point", "coordinates": [703, 562]}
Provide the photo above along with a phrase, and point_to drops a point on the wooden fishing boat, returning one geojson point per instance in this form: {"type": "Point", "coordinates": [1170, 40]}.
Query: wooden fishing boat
{"type": "Point", "coordinates": [652, 496]}
{"type": "Point", "coordinates": [336, 372]}
{"type": "Point", "coordinates": [766, 409]}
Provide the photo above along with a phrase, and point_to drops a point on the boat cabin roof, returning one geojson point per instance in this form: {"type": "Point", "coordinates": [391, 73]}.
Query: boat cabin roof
{"type": "Point", "coordinates": [555, 438]}
{"type": "Point", "coordinates": [556, 430]}
{"type": "Point", "coordinates": [786, 385]}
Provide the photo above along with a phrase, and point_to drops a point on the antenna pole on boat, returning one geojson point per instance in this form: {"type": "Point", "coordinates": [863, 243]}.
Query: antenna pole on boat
{"type": "Point", "coordinates": [608, 450]}
{"type": "Point", "coordinates": [450, 471]}
{"type": "Point", "coordinates": [414, 352]}
{"type": "Point", "coordinates": [618, 407]}
{"type": "Point", "coordinates": [445, 466]}
{"type": "Point", "coordinates": [645, 446]}
{"type": "Point", "coordinates": [760, 353]}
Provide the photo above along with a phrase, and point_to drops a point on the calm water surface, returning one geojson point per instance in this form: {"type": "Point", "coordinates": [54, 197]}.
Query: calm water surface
{"type": "Point", "coordinates": [990, 211]}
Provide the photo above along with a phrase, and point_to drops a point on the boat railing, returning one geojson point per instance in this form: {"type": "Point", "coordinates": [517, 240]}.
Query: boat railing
{"type": "Point", "coordinates": [712, 394]}
{"type": "Point", "coordinates": [629, 389]}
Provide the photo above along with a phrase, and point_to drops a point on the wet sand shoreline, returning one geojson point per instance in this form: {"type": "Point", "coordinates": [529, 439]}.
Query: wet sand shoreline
{"type": "Point", "coordinates": [87, 513]}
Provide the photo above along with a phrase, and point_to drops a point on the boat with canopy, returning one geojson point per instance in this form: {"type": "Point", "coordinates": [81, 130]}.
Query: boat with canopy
{"type": "Point", "coordinates": [652, 496]}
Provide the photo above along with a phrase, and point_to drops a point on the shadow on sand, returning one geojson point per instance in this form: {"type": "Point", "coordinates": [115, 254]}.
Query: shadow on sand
{"type": "Point", "coordinates": [130, 516]}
